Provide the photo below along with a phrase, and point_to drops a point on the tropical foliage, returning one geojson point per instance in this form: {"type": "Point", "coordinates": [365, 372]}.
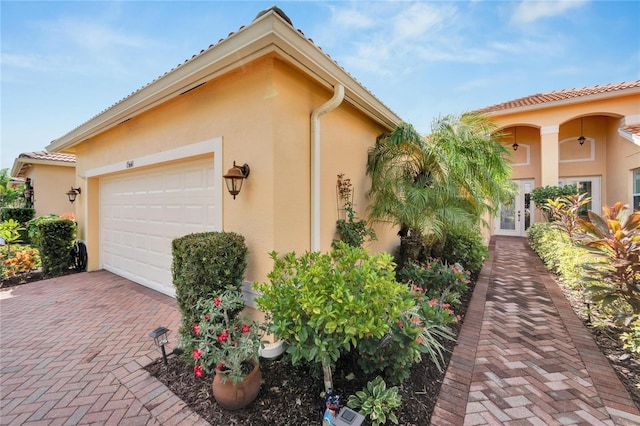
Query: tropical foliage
{"type": "Point", "coordinates": [377, 402]}
{"type": "Point", "coordinates": [446, 181]}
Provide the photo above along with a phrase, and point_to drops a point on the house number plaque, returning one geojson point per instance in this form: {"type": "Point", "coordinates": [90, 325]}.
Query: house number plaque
{"type": "Point", "coordinates": [129, 164]}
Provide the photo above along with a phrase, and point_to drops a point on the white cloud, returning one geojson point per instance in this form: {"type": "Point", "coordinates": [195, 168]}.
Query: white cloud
{"type": "Point", "coordinates": [529, 11]}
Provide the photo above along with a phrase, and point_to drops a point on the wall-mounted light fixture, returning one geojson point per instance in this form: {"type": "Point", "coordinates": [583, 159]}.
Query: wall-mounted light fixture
{"type": "Point", "coordinates": [73, 193]}
{"type": "Point", "coordinates": [28, 193]}
{"type": "Point", "coordinates": [581, 139]}
{"type": "Point", "coordinates": [515, 139]}
{"type": "Point", "coordinates": [234, 178]}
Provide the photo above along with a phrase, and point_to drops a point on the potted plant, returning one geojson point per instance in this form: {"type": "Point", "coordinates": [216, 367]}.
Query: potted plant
{"type": "Point", "coordinates": [226, 343]}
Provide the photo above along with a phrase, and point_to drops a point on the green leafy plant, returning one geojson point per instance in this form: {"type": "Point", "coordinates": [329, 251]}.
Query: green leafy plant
{"type": "Point", "coordinates": [10, 233]}
{"type": "Point", "coordinates": [419, 330]}
{"type": "Point", "coordinates": [377, 401]}
{"type": "Point", "coordinates": [464, 246]}
{"type": "Point", "coordinates": [55, 242]}
{"type": "Point", "coordinates": [631, 339]}
{"type": "Point", "coordinates": [322, 304]}
{"type": "Point", "coordinates": [542, 194]}
{"type": "Point", "coordinates": [204, 265]}
{"type": "Point", "coordinates": [435, 277]}
{"type": "Point", "coordinates": [353, 232]}
{"type": "Point", "coordinates": [613, 240]}
{"type": "Point", "coordinates": [223, 339]}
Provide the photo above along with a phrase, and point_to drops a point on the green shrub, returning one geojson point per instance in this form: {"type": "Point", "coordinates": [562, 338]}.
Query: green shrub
{"type": "Point", "coordinates": [631, 339]}
{"type": "Point", "coordinates": [377, 402]}
{"type": "Point", "coordinates": [465, 247]}
{"type": "Point", "coordinates": [558, 253]}
{"type": "Point", "coordinates": [205, 265]}
{"type": "Point", "coordinates": [20, 215]}
{"type": "Point", "coordinates": [420, 330]}
{"type": "Point", "coordinates": [55, 243]}
{"type": "Point", "coordinates": [436, 278]}
{"type": "Point", "coordinates": [322, 304]}
{"type": "Point", "coordinates": [542, 194]}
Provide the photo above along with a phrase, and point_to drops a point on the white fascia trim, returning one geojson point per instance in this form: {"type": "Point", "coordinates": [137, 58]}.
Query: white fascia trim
{"type": "Point", "coordinates": [270, 33]}
{"type": "Point", "coordinates": [629, 136]}
{"type": "Point", "coordinates": [19, 163]}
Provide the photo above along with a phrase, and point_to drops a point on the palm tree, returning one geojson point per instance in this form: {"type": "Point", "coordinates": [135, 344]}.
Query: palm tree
{"type": "Point", "coordinates": [448, 180]}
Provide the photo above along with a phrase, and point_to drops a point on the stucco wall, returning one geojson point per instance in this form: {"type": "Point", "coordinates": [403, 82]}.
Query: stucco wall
{"type": "Point", "coordinates": [50, 185]}
{"type": "Point", "coordinates": [623, 156]}
{"type": "Point", "coordinates": [262, 113]}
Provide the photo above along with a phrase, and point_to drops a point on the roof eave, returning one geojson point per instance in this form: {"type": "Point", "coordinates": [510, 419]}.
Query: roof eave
{"type": "Point", "coordinates": [269, 33]}
{"type": "Point", "coordinates": [563, 102]}
{"type": "Point", "coordinates": [21, 164]}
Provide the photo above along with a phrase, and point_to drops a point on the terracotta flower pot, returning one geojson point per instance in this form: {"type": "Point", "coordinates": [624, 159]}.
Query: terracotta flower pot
{"type": "Point", "coordinates": [232, 396]}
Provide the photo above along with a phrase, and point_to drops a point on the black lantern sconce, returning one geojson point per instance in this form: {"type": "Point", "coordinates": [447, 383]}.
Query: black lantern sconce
{"type": "Point", "coordinates": [234, 178]}
{"type": "Point", "coordinates": [160, 339]}
{"type": "Point", "coordinates": [515, 139]}
{"type": "Point", "coordinates": [581, 139]}
{"type": "Point", "coordinates": [73, 193]}
{"type": "Point", "coordinates": [28, 194]}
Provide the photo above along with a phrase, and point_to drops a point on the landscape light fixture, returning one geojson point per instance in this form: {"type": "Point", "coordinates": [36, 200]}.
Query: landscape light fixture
{"type": "Point", "coordinates": [160, 339]}
{"type": "Point", "coordinates": [73, 193]}
{"type": "Point", "coordinates": [581, 139]}
{"type": "Point", "coordinates": [515, 138]}
{"type": "Point", "coordinates": [234, 178]}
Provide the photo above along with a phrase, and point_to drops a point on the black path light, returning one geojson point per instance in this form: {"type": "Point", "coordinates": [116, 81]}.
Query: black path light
{"type": "Point", "coordinates": [234, 178]}
{"type": "Point", "coordinates": [160, 339]}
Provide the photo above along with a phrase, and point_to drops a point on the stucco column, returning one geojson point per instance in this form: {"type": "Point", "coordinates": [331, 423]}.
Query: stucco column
{"type": "Point", "coordinates": [549, 155]}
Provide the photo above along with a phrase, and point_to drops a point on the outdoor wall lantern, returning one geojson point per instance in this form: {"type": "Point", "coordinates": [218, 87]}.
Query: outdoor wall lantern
{"type": "Point", "coordinates": [160, 339]}
{"type": "Point", "coordinates": [515, 137]}
{"type": "Point", "coordinates": [73, 193]}
{"type": "Point", "coordinates": [581, 139]}
{"type": "Point", "coordinates": [234, 178]}
{"type": "Point", "coordinates": [28, 194]}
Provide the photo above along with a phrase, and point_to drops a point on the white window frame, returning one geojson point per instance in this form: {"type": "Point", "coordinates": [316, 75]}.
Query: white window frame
{"type": "Point", "coordinates": [596, 189]}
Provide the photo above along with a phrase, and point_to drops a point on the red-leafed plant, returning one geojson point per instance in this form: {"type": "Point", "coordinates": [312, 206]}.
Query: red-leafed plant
{"type": "Point", "coordinates": [615, 238]}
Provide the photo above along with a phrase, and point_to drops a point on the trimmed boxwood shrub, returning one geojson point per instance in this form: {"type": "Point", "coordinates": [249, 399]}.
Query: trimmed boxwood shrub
{"type": "Point", "coordinates": [55, 242]}
{"type": "Point", "coordinates": [204, 265]}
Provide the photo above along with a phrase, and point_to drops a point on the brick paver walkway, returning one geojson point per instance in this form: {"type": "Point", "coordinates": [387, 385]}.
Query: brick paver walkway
{"type": "Point", "coordinates": [524, 358]}
{"type": "Point", "coordinates": [72, 351]}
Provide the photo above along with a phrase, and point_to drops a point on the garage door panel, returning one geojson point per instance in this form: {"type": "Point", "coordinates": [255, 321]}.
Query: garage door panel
{"type": "Point", "coordinates": [142, 212]}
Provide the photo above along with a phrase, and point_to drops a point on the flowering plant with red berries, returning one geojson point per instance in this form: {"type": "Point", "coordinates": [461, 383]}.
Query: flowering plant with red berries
{"type": "Point", "coordinates": [224, 340]}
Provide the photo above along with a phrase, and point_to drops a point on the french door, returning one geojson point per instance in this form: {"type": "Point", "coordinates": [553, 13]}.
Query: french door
{"type": "Point", "coordinates": [516, 216]}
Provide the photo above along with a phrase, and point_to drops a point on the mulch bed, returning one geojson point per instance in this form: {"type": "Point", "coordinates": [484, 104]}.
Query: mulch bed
{"type": "Point", "coordinates": [292, 395]}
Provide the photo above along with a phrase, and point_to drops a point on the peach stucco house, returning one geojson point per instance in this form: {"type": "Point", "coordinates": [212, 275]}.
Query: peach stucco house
{"type": "Point", "coordinates": [588, 137]}
{"type": "Point", "coordinates": [151, 167]}
{"type": "Point", "coordinates": [51, 175]}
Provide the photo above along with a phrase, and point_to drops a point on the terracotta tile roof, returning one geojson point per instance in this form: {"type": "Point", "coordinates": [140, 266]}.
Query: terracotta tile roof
{"type": "Point", "coordinates": [634, 129]}
{"type": "Point", "coordinates": [47, 156]}
{"type": "Point", "coordinates": [560, 95]}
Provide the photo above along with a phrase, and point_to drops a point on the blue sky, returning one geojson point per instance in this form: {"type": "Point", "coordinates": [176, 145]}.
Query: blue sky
{"type": "Point", "coordinates": [64, 62]}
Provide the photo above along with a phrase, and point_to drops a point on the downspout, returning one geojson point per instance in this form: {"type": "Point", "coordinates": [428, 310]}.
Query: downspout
{"type": "Point", "coordinates": [331, 104]}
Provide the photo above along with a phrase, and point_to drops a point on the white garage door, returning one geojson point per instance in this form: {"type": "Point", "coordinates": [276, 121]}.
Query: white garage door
{"type": "Point", "coordinates": [142, 212]}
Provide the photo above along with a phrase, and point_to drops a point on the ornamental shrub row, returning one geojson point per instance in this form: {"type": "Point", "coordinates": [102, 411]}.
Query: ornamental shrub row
{"type": "Point", "coordinates": [55, 243]}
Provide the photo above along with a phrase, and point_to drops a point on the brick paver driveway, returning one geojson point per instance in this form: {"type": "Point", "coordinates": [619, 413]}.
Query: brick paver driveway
{"type": "Point", "coordinates": [72, 351]}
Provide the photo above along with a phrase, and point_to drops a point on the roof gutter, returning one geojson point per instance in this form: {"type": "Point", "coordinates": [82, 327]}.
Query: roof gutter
{"type": "Point", "coordinates": [330, 105]}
